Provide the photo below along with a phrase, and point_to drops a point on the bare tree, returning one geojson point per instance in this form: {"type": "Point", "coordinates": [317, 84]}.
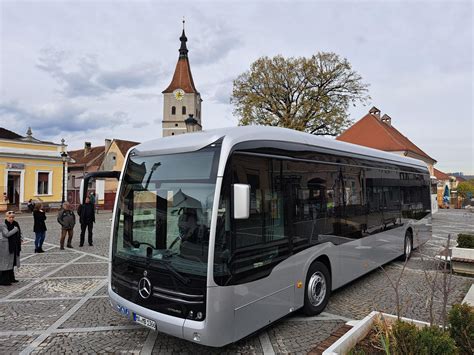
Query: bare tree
{"type": "Point", "coordinates": [396, 286]}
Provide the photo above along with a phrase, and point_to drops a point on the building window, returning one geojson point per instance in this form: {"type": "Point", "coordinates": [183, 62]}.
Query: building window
{"type": "Point", "coordinates": [183, 110]}
{"type": "Point", "coordinates": [43, 179]}
{"type": "Point", "coordinates": [172, 133]}
{"type": "Point", "coordinates": [176, 125]}
{"type": "Point", "coordinates": [173, 110]}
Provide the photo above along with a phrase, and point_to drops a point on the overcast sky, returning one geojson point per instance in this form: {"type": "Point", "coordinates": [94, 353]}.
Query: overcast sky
{"type": "Point", "coordinates": [90, 70]}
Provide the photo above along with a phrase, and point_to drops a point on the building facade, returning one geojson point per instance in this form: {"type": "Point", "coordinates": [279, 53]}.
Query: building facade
{"type": "Point", "coordinates": [181, 98]}
{"type": "Point", "coordinates": [108, 157]}
{"type": "Point", "coordinates": [30, 169]}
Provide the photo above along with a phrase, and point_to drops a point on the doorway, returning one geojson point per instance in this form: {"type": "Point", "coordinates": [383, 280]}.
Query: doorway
{"type": "Point", "coordinates": [13, 188]}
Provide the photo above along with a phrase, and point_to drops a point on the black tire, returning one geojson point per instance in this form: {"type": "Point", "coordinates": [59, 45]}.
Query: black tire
{"type": "Point", "coordinates": [407, 245]}
{"type": "Point", "coordinates": [314, 300]}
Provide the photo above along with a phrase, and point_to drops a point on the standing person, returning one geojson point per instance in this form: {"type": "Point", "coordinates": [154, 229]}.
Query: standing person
{"type": "Point", "coordinates": [67, 220]}
{"type": "Point", "coordinates": [10, 247]}
{"type": "Point", "coordinates": [87, 219]}
{"type": "Point", "coordinates": [39, 227]}
{"type": "Point", "coordinates": [92, 199]}
{"type": "Point", "coordinates": [31, 205]}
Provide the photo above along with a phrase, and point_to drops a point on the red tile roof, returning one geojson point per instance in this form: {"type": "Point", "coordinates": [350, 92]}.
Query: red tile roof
{"type": "Point", "coordinates": [440, 175]}
{"type": "Point", "coordinates": [182, 78]}
{"type": "Point", "coordinates": [124, 146]}
{"type": "Point", "coordinates": [371, 132]}
{"type": "Point", "coordinates": [93, 158]}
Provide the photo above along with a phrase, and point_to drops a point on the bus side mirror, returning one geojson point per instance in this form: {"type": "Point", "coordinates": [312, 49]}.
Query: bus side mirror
{"type": "Point", "coordinates": [241, 198]}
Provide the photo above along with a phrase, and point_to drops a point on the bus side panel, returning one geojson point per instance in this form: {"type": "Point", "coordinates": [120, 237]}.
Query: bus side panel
{"type": "Point", "coordinates": [260, 302]}
{"type": "Point", "coordinates": [262, 311]}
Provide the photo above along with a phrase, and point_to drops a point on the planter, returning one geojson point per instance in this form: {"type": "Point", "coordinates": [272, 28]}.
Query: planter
{"type": "Point", "coordinates": [345, 343]}
{"type": "Point", "coordinates": [462, 260]}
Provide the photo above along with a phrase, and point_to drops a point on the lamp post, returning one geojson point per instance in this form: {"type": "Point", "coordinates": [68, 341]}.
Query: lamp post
{"type": "Point", "coordinates": [64, 159]}
{"type": "Point", "coordinates": [191, 124]}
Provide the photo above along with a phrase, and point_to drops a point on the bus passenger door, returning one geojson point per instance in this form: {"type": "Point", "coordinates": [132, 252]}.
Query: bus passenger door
{"type": "Point", "coordinates": [263, 282]}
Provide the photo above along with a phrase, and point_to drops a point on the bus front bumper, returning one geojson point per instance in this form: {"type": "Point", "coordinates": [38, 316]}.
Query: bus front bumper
{"type": "Point", "coordinates": [178, 327]}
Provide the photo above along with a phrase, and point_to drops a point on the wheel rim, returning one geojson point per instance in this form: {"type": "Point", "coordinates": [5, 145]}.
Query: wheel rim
{"type": "Point", "coordinates": [316, 289]}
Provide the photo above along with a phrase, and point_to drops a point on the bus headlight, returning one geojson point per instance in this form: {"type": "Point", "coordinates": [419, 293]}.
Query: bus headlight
{"type": "Point", "coordinates": [197, 337]}
{"type": "Point", "coordinates": [191, 314]}
{"type": "Point", "coordinates": [199, 315]}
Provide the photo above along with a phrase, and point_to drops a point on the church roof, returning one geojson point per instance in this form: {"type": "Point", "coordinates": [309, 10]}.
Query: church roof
{"type": "Point", "coordinates": [182, 77]}
{"type": "Point", "coordinates": [378, 133]}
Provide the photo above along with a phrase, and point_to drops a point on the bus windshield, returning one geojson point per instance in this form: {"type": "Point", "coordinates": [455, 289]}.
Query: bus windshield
{"type": "Point", "coordinates": [164, 211]}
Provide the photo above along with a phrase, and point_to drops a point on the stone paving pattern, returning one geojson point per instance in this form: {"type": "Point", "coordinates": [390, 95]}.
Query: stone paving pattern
{"type": "Point", "coordinates": [95, 313]}
{"type": "Point", "coordinates": [300, 337]}
{"type": "Point", "coordinates": [108, 342]}
{"type": "Point", "coordinates": [43, 307]}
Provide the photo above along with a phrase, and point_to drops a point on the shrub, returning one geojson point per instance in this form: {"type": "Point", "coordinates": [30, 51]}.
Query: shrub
{"type": "Point", "coordinates": [409, 340]}
{"type": "Point", "coordinates": [461, 321]}
{"type": "Point", "coordinates": [434, 340]}
{"type": "Point", "coordinates": [466, 241]}
{"type": "Point", "coordinates": [405, 338]}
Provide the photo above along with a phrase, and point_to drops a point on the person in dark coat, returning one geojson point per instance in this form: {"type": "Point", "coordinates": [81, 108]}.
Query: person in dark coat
{"type": "Point", "coordinates": [87, 219]}
{"type": "Point", "coordinates": [39, 227]}
{"type": "Point", "coordinates": [67, 220]}
{"type": "Point", "coordinates": [10, 247]}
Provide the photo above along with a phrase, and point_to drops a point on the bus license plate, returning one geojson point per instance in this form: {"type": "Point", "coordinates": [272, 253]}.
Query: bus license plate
{"type": "Point", "coordinates": [145, 321]}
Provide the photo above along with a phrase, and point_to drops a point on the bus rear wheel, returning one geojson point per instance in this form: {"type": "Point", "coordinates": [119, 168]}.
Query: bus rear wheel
{"type": "Point", "coordinates": [318, 289]}
{"type": "Point", "coordinates": [408, 245]}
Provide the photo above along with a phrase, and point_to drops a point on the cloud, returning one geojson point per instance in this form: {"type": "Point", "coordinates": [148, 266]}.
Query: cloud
{"type": "Point", "coordinates": [146, 96]}
{"type": "Point", "coordinates": [213, 43]}
{"type": "Point", "coordinates": [218, 92]}
{"type": "Point", "coordinates": [52, 119]}
{"type": "Point", "coordinates": [87, 79]}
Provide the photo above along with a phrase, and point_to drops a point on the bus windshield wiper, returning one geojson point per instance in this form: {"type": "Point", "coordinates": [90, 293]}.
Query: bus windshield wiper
{"type": "Point", "coordinates": [185, 280]}
{"type": "Point", "coordinates": [149, 255]}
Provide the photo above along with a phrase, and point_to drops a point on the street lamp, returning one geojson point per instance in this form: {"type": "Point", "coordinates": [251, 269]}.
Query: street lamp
{"type": "Point", "coordinates": [64, 159]}
{"type": "Point", "coordinates": [192, 124]}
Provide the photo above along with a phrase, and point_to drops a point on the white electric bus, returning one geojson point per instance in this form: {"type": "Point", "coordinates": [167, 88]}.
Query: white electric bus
{"type": "Point", "coordinates": [219, 233]}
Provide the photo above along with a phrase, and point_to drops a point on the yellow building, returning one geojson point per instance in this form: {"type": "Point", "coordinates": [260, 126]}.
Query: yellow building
{"type": "Point", "coordinates": [29, 169]}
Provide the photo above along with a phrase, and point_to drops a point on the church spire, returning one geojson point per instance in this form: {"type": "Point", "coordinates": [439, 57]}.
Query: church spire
{"type": "Point", "coordinates": [183, 50]}
{"type": "Point", "coordinates": [182, 77]}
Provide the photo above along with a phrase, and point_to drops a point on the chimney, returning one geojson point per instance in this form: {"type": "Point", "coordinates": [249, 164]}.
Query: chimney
{"type": "Point", "coordinates": [386, 119]}
{"type": "Point", "coordinates": [375, 111]}
{"type": "Point", "coordinates": [87, 148]}
{"type": "Point", "coordinates": [107, 144]}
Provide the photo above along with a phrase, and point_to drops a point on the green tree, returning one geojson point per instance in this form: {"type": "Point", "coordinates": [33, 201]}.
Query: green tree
{"type": "Point", "coordinates": [466, 187]}
{"type": "Point", "coordinates": [307, 94]}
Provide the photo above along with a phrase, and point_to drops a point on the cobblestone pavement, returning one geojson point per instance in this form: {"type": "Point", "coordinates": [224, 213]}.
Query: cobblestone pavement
{"type": "Point", "coordinates": [60, 304]}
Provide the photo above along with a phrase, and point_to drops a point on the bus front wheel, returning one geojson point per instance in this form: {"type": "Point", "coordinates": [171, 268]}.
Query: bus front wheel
{"type": "Point", "coordinates": [318, 289]}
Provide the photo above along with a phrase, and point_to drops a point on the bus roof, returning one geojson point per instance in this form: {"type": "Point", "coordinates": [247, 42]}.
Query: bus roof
{"type": "Point", "coordinates": [235, 135]}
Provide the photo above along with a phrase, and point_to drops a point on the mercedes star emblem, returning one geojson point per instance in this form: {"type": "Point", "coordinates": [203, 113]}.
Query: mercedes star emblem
{"type": "Point", "coordinates": [144, 287]}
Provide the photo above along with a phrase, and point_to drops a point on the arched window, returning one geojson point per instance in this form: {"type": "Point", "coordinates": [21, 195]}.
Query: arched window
{"type": "Point", "coordinates": [173, 110]}
{"type": "Point", "coordinates": [183, 110]}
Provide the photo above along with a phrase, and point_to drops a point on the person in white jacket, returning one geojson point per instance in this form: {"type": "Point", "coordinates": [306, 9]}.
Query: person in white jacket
{"type": "Point", "coordinates": [10, 247]}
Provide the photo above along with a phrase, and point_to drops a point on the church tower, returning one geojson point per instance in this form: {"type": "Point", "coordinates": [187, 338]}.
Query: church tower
{"type": "Point", "coordinates": [181, 99]}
